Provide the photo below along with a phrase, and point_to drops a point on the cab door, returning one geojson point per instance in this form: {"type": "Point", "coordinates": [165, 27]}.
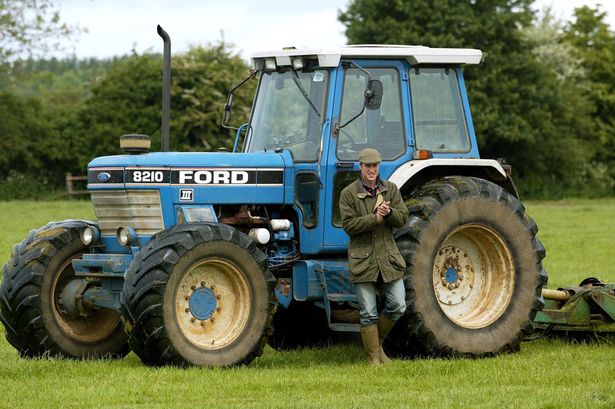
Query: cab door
{"type": "Point", "coordinates": [386, 129]}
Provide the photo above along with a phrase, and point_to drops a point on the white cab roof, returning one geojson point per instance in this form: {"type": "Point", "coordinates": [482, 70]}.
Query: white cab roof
{"type": "Point", "coordinates": [330, 57]}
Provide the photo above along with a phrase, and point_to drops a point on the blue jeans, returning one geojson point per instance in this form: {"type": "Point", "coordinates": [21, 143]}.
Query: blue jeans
{"type": "Point", "coordinates": [394, 301]}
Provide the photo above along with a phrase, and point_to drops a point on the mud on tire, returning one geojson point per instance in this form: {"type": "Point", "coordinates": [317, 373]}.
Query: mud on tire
{"type": "Point", "coordinates": [198, 294]}
{"type": "Point", "coordinates": [31, 306]}
{"type": "Point", "coordinates": [474, 271]}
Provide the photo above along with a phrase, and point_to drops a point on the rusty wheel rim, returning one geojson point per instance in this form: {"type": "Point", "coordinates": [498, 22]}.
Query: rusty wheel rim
{"type": "Point", "coordinates": [212, 303]}
{"type": "Point", "coordinates": [473, 276]}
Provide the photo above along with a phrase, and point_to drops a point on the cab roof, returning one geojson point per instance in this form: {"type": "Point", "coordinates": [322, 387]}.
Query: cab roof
{"type": "Point", "coordinates": [330, 57]}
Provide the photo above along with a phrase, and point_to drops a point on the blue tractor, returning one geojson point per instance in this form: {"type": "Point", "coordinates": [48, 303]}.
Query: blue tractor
{"type": "Point", "coordinates": [203, 258]}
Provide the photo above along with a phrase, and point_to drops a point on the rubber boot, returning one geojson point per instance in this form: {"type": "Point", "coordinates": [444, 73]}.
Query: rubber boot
{"type": "Point", "coordinates": [384, 327]}
{"type": "Point", "coordinates": [369, 336]}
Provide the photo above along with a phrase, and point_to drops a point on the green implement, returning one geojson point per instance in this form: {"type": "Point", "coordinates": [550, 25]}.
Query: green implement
{"type": "Point", "coordinates": [588, 307]}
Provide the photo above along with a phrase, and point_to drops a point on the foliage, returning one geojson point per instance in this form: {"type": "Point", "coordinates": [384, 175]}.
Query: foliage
{"type": "Point", "coordinates": [57, 82]}
{"type": "Point", "coordinates": [30, 27]}
{"type": "Point", "coordinates": [202, 79]}
{"type": "Point", "coordinates": [523, 105]}
{"type": "Point", "coordinates": [128, 100]}
{"type": "Point", "coordinates": [592, 38]}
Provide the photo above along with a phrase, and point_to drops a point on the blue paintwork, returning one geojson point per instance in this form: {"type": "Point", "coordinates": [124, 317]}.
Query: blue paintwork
{"type": "Point", "coordinates": [451, 275]}
{"type": "Point", "coordinates": [202, 303]}
{"type": "Point", "coordinates": [102, 298]}
{"type": "Point", "coordinates": [311, 276]}
{"type": "Point", "coordinates": [102, 264]}
{"type": "Point", "coordinates": [283, 293]}
{"type": "Point", "coordinates": [238, 136]}
{"type": "Point", "coordinates": [312, 279]}
{"type": "Point", "coordinates": [195, 159]}
{"type": "Point", "coordinates": [466, 107]}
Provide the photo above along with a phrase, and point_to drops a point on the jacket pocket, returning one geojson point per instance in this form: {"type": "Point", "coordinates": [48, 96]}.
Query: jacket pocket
{"type": "Point", "coordinates": [396, 260]}
{"type": "Point", "coordinates": [358, 259]}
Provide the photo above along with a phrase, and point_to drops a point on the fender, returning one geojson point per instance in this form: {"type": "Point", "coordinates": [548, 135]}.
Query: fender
{"type": "Point", "coordinates": [416, 172]}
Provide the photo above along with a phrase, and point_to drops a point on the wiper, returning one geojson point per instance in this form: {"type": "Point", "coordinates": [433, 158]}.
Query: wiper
{"type": "Point", "coordinates": [303, 91]}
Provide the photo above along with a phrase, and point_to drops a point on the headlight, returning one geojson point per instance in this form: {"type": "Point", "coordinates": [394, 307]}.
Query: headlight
{"type": "Point", "coordinates": [126, 236]}
{"type": "Point", "coordinates": [89, 235]}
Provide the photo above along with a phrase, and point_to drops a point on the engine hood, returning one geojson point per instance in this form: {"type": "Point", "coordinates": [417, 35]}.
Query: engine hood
{"type": "Point", "coordinates": [248, 172]}
{"type": "Point", "coordinates": [195, 159]}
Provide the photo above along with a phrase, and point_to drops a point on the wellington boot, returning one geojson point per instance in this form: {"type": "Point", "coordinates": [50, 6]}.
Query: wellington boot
{"type": "Point", "coordinates": [384, 327]}
{"type": "Point", "coordinates": [369, 336]}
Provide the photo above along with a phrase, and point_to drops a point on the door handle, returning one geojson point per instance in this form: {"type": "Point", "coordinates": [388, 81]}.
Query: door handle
{"type": "Point", "coordinates": [344, 165]}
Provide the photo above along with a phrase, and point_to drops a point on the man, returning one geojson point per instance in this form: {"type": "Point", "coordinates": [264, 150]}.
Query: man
{"type": "Point", "coordinates": [370, 208]}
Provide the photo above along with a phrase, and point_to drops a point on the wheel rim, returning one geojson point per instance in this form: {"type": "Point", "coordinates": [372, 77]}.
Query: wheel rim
{"type": "Point", "coordinates": [473, 276]}
{"type": "Point", "coordinates": [212, 303]}
{"type": "Point", "coordinates": [97, 324]}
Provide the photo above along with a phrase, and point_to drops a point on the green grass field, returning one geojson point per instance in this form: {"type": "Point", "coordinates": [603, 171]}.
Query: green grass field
{"type": "Point", "coordinates": [578, 235]}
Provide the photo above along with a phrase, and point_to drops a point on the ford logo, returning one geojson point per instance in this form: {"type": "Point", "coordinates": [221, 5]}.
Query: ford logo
{"type": "Point", "coordinates": [104, 176]}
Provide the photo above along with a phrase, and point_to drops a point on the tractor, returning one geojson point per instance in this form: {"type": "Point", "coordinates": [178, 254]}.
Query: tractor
{"type": "Point", "coordinates": [204, 258]}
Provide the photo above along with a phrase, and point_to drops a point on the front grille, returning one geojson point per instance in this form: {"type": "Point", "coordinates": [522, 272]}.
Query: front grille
{"type": "Point", "coordinates": [139, 209]}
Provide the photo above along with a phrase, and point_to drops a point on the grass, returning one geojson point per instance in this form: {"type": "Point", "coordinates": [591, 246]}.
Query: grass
{"type": "Point", "coordinates": [545, 374]}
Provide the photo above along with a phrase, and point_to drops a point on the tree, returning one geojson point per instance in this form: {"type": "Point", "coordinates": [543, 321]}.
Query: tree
{"type": "Point", "coordinates": [518, 104]}
{"type": "Point", "coordinates": [592, 37]}
{"type": "Point", "coordinates": [128, 100]}
{"type": "Point", "coordinates": [29, 27]}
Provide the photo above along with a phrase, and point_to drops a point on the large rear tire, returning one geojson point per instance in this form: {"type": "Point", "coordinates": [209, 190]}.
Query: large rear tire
{"type": "Point", "coordinates": [31, 307]}
{"type": "Point", "coordinates": [198, 294]}
{"type": "Point", "coordinates": [474, 271]}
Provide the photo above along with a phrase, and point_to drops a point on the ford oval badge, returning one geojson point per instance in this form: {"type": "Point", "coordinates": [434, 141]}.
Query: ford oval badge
{"type": "Point", "coordinates": [104, 176]}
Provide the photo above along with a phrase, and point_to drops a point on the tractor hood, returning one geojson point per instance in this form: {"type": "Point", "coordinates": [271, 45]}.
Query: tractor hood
{"type": "Point", "coordinates": [213, 177]}
{"type": "Point", "coordinates": [194, 159]}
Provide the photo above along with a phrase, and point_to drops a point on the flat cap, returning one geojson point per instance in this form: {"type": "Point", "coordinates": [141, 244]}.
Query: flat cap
{"type": "Point", "coordinates": [369, 156]}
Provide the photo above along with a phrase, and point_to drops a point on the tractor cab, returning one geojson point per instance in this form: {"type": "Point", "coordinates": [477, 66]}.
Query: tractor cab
{"type": "Point", "coordinates": [324, 106]}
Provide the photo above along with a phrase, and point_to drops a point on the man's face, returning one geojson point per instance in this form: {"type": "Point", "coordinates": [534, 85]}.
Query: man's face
{"type": "Point", "coordinates": [369, 172]}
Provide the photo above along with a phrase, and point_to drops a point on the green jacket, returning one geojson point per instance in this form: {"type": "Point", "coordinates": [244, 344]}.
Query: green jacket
{"type": "Point", "coordinates": [372, 248]}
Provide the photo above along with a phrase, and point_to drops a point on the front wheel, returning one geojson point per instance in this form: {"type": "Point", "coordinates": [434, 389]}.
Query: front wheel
{"type": "Point", "coordinates": [198, 294]}
{"type": "Point", "coordinates": [474, 275]}
{"type": "Point", "coordinates": [32, 305]}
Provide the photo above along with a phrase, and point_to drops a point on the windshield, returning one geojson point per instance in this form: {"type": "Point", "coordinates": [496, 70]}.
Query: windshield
{"type": "Point", "coordinates": [289, 113]}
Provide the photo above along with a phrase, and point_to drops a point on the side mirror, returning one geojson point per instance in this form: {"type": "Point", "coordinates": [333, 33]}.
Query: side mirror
{"type": "Point", "coordinates": [226, 115]}
{"type": "Point", "coordinates": [373, 95]}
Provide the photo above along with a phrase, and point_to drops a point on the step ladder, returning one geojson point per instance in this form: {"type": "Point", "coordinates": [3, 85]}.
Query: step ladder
{"type": "Point", "coordinates": [336, 286]}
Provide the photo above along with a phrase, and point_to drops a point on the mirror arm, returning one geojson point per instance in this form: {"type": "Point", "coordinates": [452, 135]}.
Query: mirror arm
{"type": "Point", "coordinates": [227, 106]}
{"type": "Point", "coordinates": [338, 126]}
{"type": "Point", "coordinates": [348, 64]}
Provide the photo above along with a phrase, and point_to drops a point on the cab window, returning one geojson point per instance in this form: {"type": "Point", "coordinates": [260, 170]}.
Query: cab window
{"type": "Point", "coordinates": [382, 128]}
{"type": "Point", "coordinates": [439, 118]}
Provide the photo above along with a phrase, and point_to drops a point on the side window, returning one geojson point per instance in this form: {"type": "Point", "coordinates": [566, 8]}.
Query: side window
{"type": "Point", "coordinates": [306, 197]}
{"type": "Point", "coordinates": [439, 119]}
{"type": "Point", "coordinates": [381, 128]}
{"type": "Point", "coordinates": [342, 179]}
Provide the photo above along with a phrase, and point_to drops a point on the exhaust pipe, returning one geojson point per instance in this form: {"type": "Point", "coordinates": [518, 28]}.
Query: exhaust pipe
{"type": "Point", "coordinates": [166, 89]}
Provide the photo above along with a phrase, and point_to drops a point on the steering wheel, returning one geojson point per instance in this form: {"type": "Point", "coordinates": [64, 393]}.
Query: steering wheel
{"type": "Point", "coordinates": [348, 143]}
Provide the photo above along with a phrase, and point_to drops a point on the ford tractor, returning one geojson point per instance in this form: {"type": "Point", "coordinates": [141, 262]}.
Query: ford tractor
{"type": "Point", "coordinates": [203, 258]}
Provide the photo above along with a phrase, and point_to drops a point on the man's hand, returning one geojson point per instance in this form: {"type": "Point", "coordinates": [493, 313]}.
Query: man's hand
{"type": "Point", "coordinates": [382, 211]}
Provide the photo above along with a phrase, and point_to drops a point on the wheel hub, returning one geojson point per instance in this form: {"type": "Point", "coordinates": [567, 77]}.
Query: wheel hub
{"type": "Point", "coordinates": [455, 275]}
{"type": "Point", "coordinates": [202, 303]}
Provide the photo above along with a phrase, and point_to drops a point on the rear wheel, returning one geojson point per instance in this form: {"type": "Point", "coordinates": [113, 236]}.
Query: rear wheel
{"type": "Point", "coordinates": [32, 306]}
{"type": "Point", "coordinates": [474, 275]}
{"type": "Point", "coordinates": [198, 294]}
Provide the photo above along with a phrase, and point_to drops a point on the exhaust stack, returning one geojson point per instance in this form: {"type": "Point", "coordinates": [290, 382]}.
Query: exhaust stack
{"type": "Point", "coordinates": [166, 89]}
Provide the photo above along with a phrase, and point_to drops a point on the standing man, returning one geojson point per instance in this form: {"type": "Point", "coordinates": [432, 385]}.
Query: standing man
{"type": "Point", "coordinates": [370, 208]}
